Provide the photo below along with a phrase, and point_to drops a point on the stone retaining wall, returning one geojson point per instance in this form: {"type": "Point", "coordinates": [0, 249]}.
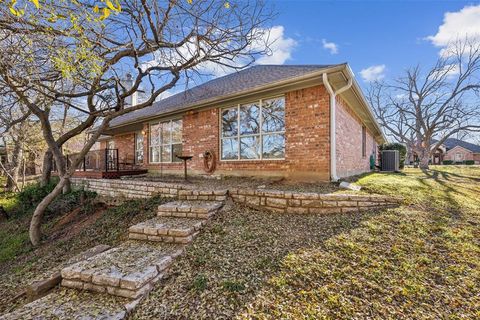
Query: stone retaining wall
{"type": "Point", "coordinates": [296, 202]}
{"type": "Point", "coordinates": [117, 191]}
{"type": "Point", "coordinates": [273, 200]}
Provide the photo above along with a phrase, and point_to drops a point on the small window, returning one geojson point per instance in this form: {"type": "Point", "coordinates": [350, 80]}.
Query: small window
{"type": "Point", "coordinates": [364, 142]}
{"type": "Point", "coordinates": [165, 141]}
{"type": "Point", "coordinates": [138, 148]}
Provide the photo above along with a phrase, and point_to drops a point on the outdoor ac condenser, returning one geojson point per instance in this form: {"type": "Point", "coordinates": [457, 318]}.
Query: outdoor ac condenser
{"type": "Point", "coordinates": [390, 160]}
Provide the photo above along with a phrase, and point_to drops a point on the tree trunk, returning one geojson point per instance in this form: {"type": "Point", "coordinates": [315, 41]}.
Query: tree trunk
{"type": "Point", "coordinates": [36, 222]}
{"type": "Point", "coordinates": [424, 160]}
{"type": "Point", "coordinates": [14, 168]}
{"type": "Point", "coordinates": [47, 168]}
{"type": "Point", "coordinates": [67, 188]}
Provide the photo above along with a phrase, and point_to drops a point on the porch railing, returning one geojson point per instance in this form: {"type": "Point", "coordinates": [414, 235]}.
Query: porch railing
{"type": "Point", "coordinates": [97, 160]}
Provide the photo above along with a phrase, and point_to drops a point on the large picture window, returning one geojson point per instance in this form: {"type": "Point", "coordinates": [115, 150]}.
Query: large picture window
{"type": "Point", "coordinates": [165, 141]}
{"type": "Point", "coordinates": [254, 131]}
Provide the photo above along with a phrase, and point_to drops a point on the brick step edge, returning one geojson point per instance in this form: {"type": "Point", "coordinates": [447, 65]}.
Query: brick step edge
{"type": "Point", "coordinates": [192, 215]}
{"type": "Point", "coordinates": [158, 238]}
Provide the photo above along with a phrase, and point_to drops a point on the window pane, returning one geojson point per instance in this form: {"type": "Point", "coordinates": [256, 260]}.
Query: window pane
{"type": "Point", "coordinates": [166, 133]}
{"type": "Point", "coordinates": [249, 148]}
{"type": "Point", "coordinates": [138, 141]}
{"type": "Point", "coordinates": [177, 131]}
{"type": "Point", "coordinates": [273, 146]}
{"type": "Point", "coordinates": [154, 154]}
{"type": "Point", "coordinates": [139, 157]}
{"type": "Point", "coordinates": [229, 149]}
{"type": "Point", "coordinates": [166, 153]}
{"type": "Point", "coordinates": [155, 130]}
{"type": "Point", "coordinates": [229, 123]}
{"type": "Point", "coordinates": [273, 113]}
{"type": "Point", "coordinates": [249, 119]}
{"type": "Point", "coordinates": [177, 150]}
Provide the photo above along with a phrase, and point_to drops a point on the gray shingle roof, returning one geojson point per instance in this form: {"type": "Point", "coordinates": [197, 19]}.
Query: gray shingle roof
{"type": "Point", "coordinates": [451, 143]}
{"type": "Point", "coordinates": [244, 80]}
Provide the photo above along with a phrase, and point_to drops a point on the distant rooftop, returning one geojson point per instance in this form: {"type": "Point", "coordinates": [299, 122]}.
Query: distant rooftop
{"type": "Point", "coordinates": [451, 143]}
{"type": "Point", "coordinates": [244, 80]}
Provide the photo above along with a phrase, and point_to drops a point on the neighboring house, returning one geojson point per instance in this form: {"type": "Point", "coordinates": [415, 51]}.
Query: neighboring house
{"type": "Point", "coordinates": [268, 120]}
{"type": "Point", "coordinates": [460, 151]}
{"type": "Point", "coordinates": [454, 150]}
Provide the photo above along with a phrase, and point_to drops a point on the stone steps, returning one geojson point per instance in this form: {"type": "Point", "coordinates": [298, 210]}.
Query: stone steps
{"type": "Point", "coordinates": [73, 304]}
{"type": "Point", "coordinates": [189, 209]}
{"type": "Point", "coordinates": [166, 229]}
{"type": "Point", "coordinates": [129, 270]}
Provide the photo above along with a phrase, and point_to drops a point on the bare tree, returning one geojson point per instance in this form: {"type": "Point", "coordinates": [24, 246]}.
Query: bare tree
{"type": "Point", "coordinates": [423, 109]}
{"type": "Point", "coordinates": [14, 125]}
{"type": "Point", "coordinates": [57, 64]}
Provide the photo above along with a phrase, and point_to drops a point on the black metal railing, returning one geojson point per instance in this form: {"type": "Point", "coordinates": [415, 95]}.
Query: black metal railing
{"type": "Point", "coordinates": [97, 160]}
{"type": "Point", "coordinates": [111, 160]}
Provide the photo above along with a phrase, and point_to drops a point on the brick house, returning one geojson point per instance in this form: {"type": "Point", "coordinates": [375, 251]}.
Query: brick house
{"type": "Point", "coordinates": [267, 120]}
{"type": "Point", "coordinates": [455, 150]}
{"type": "Point", "coordinates": [460, 151]}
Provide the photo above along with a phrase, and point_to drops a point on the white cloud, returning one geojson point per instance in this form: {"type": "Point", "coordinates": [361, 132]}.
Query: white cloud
{"type": "Point", "coordinates": [460, 25]}
{"type": "Point", "coordinates": [330, 46]}
{"type": "Point", "coordinates": [280, 50]}
{"type": "Point", "coordinates": [373, 73]}
{"type": "Point", "coordinates": [281, 47]}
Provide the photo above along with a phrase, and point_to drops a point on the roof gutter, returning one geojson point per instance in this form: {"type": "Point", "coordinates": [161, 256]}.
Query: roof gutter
{"type": "Point", "coordinates": [333, 136]}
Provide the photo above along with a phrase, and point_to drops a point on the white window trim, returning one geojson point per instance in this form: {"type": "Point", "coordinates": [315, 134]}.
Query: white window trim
{"type": "Point", "coordinates": [137, 150]}
{"type": "Point", "coordinates": [161, 144]}
{"type": "Point", "coordinates": [238, 136]}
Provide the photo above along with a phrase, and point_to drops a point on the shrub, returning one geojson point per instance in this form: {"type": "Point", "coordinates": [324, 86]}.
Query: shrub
{"type": "Point", "coordinates": [34, 193]}
{"type": "Point", "coordinates": [469, 162]}
{"type": "Point", "coordinates": [447, 162]}
{"type": "Point", "coordinates": [402, 150]}
{"type": "Point", "coordinates": [200, 282]}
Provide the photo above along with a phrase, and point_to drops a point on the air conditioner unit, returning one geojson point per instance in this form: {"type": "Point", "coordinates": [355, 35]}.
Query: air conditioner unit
{"type": "Point", "coordinates": [390, 160]}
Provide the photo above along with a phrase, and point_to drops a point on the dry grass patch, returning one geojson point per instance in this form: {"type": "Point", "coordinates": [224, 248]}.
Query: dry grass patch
{"type": "Point", "coordinates": [419, 261]}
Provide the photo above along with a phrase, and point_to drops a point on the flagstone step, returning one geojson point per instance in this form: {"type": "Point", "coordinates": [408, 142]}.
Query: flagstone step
{"type": "Point", "coordinates": [129, 270]}
{"type": "Point", "coordinates": [166, 229]}
{"type": "Point", "coordinates": [72, 304]}
{"type": "Point", "coordinates": [189, 209]}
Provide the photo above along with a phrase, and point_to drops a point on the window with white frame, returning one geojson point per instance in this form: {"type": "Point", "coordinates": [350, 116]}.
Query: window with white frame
{"type": "Point", "coordinates": [165, 141]}
{"type": "Point", "coordinates": [254, 131]}
{"type": "Point", "coordinates": [139, 148]}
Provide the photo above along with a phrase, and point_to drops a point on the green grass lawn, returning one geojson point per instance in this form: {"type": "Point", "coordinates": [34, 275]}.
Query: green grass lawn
{"type": "Point", "coordinates": [418, 261]}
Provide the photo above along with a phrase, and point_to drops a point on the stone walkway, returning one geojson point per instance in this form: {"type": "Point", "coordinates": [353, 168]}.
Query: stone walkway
{"type": "Point", "coordinates": [109, 285]}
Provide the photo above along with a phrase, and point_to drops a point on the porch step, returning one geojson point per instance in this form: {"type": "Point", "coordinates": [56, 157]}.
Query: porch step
{"type": "Point", "coordinates": [166, 229]}
{"type": "Point", "coordinates": [129, 270]}
{"type": "Point", "coordinates": [189, 209]}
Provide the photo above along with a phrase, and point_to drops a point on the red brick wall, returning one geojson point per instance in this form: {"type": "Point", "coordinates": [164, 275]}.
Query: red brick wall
{"type": "Point", "coordinates": [307, 138]}
{"type": "Point", "coordinates": [349, 142]}
{"type": "Point", "coordinates": [307, 151]}
{"type": "Point", "coordinates": [476, 158]}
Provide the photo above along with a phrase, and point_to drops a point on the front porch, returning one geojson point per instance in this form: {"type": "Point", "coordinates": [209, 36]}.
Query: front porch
{"type": "Point", "coordinates": [106, 164]}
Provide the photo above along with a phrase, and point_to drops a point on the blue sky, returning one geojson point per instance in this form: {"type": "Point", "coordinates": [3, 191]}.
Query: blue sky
{"type": "Point", "coordinates": [391, 35]}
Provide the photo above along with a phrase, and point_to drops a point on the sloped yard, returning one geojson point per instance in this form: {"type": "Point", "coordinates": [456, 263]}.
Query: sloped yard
{"type": "Point", "coordinates": [418, 261]}
{"type": "Point", "coordinates": [70, 229]}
